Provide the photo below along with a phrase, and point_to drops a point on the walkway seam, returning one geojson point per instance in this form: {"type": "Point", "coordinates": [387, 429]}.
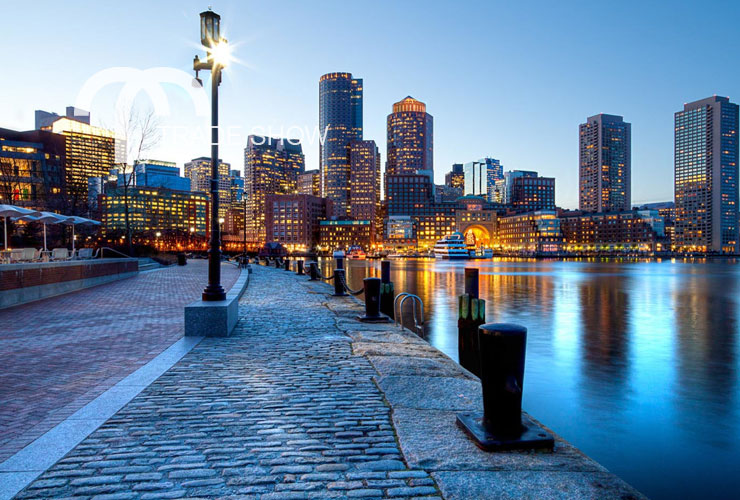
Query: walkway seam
{"type": "Point", "coordinates": [21, 469]}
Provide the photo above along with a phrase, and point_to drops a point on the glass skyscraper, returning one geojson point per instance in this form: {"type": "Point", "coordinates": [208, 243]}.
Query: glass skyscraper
{"type": "Point", "coordinates": [340, 119]}
{"type": "Point", "coordinates": [706, 176]}
{"type": "Point", "coordinates": [480, 178]}
{"type": "Point", "coordinates": [605, 164]}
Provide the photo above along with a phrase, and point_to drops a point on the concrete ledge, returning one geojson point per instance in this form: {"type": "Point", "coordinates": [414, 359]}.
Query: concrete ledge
{"type": "Point", "coordinates": [216, 319]}
{"type": "Point", "coordinates": [23, 283]}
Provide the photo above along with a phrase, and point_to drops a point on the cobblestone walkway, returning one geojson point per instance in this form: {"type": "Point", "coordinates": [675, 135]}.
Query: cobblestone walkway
{"type": "Point", "coordinates": [280, 410]}
{"type": "Point", "coordinates": [60, 353]}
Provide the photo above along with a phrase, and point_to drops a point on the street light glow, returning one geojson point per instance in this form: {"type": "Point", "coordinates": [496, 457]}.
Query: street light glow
{"type": "Point", "coordinates": [221, 53]}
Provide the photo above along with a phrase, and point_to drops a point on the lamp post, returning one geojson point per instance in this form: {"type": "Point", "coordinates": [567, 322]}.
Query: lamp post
{"type": "Point", "coordinates": [158, 245]}
{"type": "Point", "coordinates": [217, 48]}
{"type": "Point", "coordinates": [244, 214]}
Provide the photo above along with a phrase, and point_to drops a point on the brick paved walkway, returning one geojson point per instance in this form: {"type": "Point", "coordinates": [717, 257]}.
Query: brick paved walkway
{"type": "Point", "coordinates": [280, 410]}
{"type": "Point", "coordinates": [60, 353]}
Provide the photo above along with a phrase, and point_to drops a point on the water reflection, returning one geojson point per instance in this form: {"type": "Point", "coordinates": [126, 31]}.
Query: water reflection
{"type": "Point", "coordinates": [634, 363]}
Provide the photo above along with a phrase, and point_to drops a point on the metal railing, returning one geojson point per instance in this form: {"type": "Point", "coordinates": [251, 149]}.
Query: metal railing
{"type": "Point", "coordinates": [418, 327]}
{"type": "Point", "coordinates": [101, 249]}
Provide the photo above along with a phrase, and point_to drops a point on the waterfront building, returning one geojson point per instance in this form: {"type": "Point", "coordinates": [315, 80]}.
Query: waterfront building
{"type": "Point", "coordinates": [605, 164]}
{"type": "Point", "coordinates": [340, 121]}
{"type": "Point", "coordinates": [614, 232]}
{"type": "Point", "coordinates": [706, 176]}
{"type": "Point", "coordinates": [508, 182]}
{"type": "Point", "coordinates": [271, 166]}
{"type": "Point", "coordinates": [344, 233]}
{"type": "Point", "coordinates": [530, 233]}
{"type": "Point", "coordinates": [532, 193]}
{"type": "Point", "coordinates": [408, 194]}
{"type": "Point", "coordinates": [89, 152]}
{"type": "Point", "coordinates": [455, 178]}
{"type": "Point", "coordinates": [198, 170]}
{"type": "Point", "coordinates": [309, 182]}
{"type": "Point", "coordinates": [160, 174]}
{"type": "Point", "coordinates": [32, 172]}
{"type": "Point", "coordinates": [293, 220]}
{"type": "Point", "coordinates": [155, 209]}
{"type": "Point", "coordinates": [364, 180]}
{"type": "Point", "coordinates": [410, 146]}
{"type": "Point", "coordinates": [400, 233]}
{"type": "Point", "coordinates": [481, 178]}
{"type": "Point", "coordinates": [444, 193]}
{"type": "Point", "coordinates": [478, 225]}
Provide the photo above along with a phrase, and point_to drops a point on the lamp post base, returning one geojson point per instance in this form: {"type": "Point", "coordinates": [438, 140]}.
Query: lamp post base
{"type": "Point", "coordinates": [213, 293]}
{"type": "Point", "coordinates": [532, 436]}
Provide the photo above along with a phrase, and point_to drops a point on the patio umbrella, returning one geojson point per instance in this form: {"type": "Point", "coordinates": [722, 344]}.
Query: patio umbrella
{"type": "Point", "coordinates": [13, 211]}
{"type": "Point", "coordinates": [45, 218]}
{"type": "Point", "coordinates": [78, 221]}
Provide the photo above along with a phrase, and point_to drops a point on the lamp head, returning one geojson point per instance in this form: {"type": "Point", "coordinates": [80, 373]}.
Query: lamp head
{"type": "Point", "coordinates": [210, 28]}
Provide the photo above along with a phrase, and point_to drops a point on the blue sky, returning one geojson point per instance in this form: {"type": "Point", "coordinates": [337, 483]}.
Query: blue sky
{"type": "Point", "coordinates": [511, 80]}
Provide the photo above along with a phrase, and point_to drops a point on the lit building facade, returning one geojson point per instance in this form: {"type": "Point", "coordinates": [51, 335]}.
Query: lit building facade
{"type": "Point", "coordinates": [455, 178]}
{"type": "Point", "coordinates": [706, 176]}
{"type": "Point", "coordinates": [532, 194]}
{"type": "Point", "coordinates": [32, 169]}
{"type": "Point", "coordinates": [615, 232]}
{"type": "Point", "coordinates": [155, 209]}
{"type": "Point", "coordinates": [530, 233]}
{"type": "Point", "coordinates": [271, 166]}
{"type": "Point", "coordinates": [89, 152]}
{"type": "Point", "coordinates": [340, 120]}
{"type": "Point", "coordinates": [365, 181]}
{"type": "Point", "coordinates": [309, 182]}
{"type": "Point", "coordinates": [605, 164]}
{"type": "Point", "coordinates": [198, 170]}
{"type": "Point", "coordinates": [410, 146]}
{"type": "Point", "coordinates": [334, 234]}
{"type": "Point", "coordinates": [293, 220]}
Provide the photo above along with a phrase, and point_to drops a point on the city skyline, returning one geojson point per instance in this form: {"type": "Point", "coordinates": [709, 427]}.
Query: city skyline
{"type": "Point", "coordinates": [539, 90]}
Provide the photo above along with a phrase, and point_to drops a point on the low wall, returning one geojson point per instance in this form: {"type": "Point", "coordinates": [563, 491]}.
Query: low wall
{"type": "Point", "coordinates": [216, 319]}
{"type": "Point", "coordinates": [22, 283]}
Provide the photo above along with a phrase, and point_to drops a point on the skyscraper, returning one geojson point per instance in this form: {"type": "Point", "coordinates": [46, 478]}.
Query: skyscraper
{"type": "Point", "coordinates": [271, 166]}
{"type": "Point", "coordinates": [706, 176]}
{"type": "Point", "coordinates": [198, 170]}
{"type": "Point", "coordinates": [309, 182]}
{"type": "Point", "coordinates": [364, 181]}
{"type": "Point", "coordinates": [605, 164]}
{"type": "Point", "coordinates": [455, 178]}
{"type": "Point", "coordinates": [480, 177]}
{"type": "Point", "coordinates": [340, 119]}
{"type": "Point", "coordinates": [410, 145]}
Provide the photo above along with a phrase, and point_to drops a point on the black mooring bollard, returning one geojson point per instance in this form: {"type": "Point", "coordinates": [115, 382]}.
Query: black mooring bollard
{"type": "Point", "coordinates": [372, 301]}
{"type": "Point", "coordinates": [386, 289]}
{"type": "Point", "coordinates": [471, 314]}
{"type": "Point", "coordinates": [339, 263]}
{"type": "Point", "coordinates": [277, 263]}
{"type": "Point", "coordinates": [313, 271]}
{"type": "Point", "coordinates": [300, 267]}
{"type": "Point", "coordinates": [286, 264]}
{"type": "Point", "coordinates": [502, 425]}
{"type": "Point", "coordinates": [339, 283]}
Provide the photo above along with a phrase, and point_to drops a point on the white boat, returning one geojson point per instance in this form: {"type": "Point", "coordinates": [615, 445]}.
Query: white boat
{"type": "Point", "coordinates": [452, 247]}
{"type": "Point", "coordinates": [356, 253]}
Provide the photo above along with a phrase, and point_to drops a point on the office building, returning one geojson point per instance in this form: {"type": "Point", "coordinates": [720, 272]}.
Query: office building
{"type": "Point", "coordinates": [198, 170]}
{"type": "Point", "coordinates": [480, 178]}
{"type": "Point", "coordinates": [344, 233]}
{"type": "Point", "coordinates": [155, 209]}
{"type": "Point", "coordinates": [532, 193]}
{"type": "Point", "coordinates": [365, 181]}
{"type": "Point", "coordinates": [45, 118]}
{"type": "Point", "coordinates": [340, 122]}
{"type": "Point", "coordinates": [271, 166]}
{"type": "Point", "coordinates": [293, 220]}
{"type": "Point", "coordinates": [160, 174]}
{"type": "Point", "coordinates": [605, 164]}
{"type": "Point", "coordinates": [706, 176]}
{"type": "Point", "coordinates": [410, 146]}
{"type": "Point", "coordinates": [634, 231]}
{"type": "Point", "coordinates": [309, 182]}
{"type": "Point", "coordinates": [530, 233]}
{"type": "Point", "coordinates": [455, 178]}
{"type": "Point", "coordinates": [89, 152]}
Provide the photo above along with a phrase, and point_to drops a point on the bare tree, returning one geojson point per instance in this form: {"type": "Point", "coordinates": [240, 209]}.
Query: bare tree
{"type": "Point", "coordinates": [140, 132]}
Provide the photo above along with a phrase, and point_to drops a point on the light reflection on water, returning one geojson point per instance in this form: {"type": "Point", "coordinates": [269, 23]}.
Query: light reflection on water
{"type": "Point", "coordinates": [634, 363]}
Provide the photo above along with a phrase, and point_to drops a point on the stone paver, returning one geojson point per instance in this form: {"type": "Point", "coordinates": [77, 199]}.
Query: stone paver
{"type": "Point", "coordinates": [60, 353]}
{"type": "Point", "coordinates": [283, 409]}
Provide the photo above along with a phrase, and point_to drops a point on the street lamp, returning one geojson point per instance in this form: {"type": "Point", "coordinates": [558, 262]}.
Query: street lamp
{"type": "Point", "coordinates": [158, 234]}
{"type": "Point", "coordinates": [218, 55]}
